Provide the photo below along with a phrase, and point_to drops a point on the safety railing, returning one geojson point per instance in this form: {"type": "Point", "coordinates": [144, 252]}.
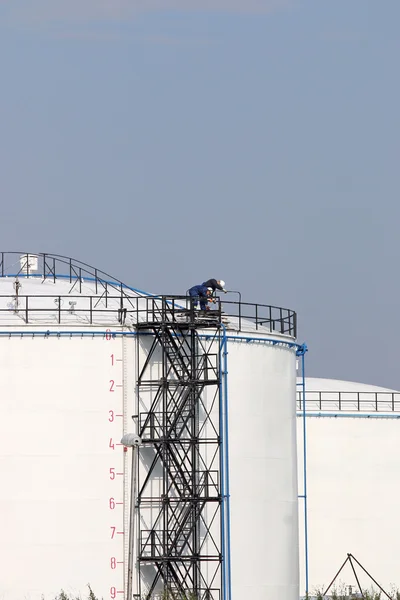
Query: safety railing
{"type": "Point", "coordinates": [262, 316]}
{"type": "Point", "coordinates": [50, 267]}
{"type": "Point", "coordinates": [350, 401]}
{"type": "Point", "coordinates": [62, 309]}
{"type": "Point", "coordinates": [241, 315]}
{"type": "Point", "coordinates": [151, 310]}
{"type": "Point", "coordinates": [144, 310]}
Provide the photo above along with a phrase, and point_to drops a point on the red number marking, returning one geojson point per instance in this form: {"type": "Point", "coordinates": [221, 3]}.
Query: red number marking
{"type": "Point", "coordinates": [113, 592]}
{"type": "Point", "coordinates": [111, 444]}
{"type": "Point", "coordinates": [112, 532]}
{"type": "Point", "coordinates": [111, 417]}
{"type": "Point", "coordinates": [112, 473]}
{"type": "Point", "coordinates": [108, 335]}
{"type": "Point", "coordinates": [112, 385]}
{"type": "Point", "coordinates": [112, 360]}
{"type": "Point", "coordinates": [112, 503]}
{"type": "Point", "coordinates": [113, 562]}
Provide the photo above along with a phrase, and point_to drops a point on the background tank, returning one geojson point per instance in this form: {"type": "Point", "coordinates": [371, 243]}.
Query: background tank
{"type": "Point", "coordinates": [69, 367]}
{"type": "Point", "coordinates": [352, 477]}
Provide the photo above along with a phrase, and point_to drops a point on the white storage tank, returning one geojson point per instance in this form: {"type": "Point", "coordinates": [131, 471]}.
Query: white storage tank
{"type": "Point", "coordinates": [69, 367]}
{"type": "Point", "coordinates": [263, 476]}
{"type": "Point", "coordinates": [352, 482]}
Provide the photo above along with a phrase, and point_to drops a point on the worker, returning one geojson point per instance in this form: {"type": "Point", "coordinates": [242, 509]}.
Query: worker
{"type": "Point", "coordinates": [215, 284]}
{"type": "Point", "coordinates": [203, 293]}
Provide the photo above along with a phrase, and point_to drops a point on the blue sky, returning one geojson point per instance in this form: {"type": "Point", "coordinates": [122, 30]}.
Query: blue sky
{"type": "Point", "coordinates": [258, 142]}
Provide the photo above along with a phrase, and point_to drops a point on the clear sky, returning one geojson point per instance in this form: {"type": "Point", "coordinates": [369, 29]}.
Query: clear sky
{"type": "Point", "coordinates": [257, 141]}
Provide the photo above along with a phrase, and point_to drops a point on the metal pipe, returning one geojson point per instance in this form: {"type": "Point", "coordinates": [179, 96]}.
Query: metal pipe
{"type": "Point", "coordinates": [132, 523]}
{"type": "Point", "coordinates": [133, 441]}
{"type": "Point", "coordinates": [227, 542]}
{"type": "Point", "coordinates": [305, 470]}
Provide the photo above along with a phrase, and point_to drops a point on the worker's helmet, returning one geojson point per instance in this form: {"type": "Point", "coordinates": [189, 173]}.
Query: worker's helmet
{"type": "Point", "coordinates": [209, 289]}
{"type": "Point", "coordinates": [222, 283]}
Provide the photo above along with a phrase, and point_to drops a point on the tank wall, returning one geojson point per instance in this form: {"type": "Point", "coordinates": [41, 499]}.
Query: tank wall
{"type": "Point", "coordinates": [62, 499]}
{"type": "Point", "coordinates": [353, 467]}
{"type": "Point", "coordinates": [64, 509]}
{"type": "Point", "coordinates": [263, 472]}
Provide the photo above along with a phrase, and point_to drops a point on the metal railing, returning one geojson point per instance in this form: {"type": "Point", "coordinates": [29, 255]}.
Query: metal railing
{"type": "Point", "coordinates": [146, 309]}
{"type": "Point", "coordinates": [50, 267]}
{"type": "Point", "coordinates": [350, 401]}
{"type": "Point", "coordinates": [60, 309]}
{"type": "Point", "coordinates": [241, 315]}
{"type": "Point", "coordinates": [275, 318]}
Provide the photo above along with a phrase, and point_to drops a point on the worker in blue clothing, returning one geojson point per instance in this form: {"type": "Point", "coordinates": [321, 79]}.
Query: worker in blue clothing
{"type": "Point", "coordinates": [202, 293]}
{"type": "Point", "coordinates": [215, 284]}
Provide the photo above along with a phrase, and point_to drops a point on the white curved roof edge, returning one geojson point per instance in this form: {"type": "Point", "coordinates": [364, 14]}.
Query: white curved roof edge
{"type": "Point", "coordinates": [320, 384]}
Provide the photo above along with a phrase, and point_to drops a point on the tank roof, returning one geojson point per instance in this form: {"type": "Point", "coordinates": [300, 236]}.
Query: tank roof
{"type": "Point", "coordinates": [319, 384]}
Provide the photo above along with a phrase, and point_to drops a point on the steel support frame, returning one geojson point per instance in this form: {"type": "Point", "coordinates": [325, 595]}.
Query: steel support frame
{"type": "Point", "coordinates": [180, 426]}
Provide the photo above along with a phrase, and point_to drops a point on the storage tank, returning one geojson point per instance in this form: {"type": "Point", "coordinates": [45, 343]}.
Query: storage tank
{"type": "Point", "coordinates": [73, 341]}
{"type": "Point", "coordinates": [352, 481]}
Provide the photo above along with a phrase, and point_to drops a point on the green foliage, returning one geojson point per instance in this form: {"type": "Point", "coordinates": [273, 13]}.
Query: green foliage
{"type": "Point", "coordinates": [342, 593]}
{"type": "Point", "coordinates": [372, 595]}
{"type": "Point", "coordinates": [166, 595]}
{"type": "Point", "coordinates": [64, 596]}
{"type": "Point", "coordinates": [92, 595]}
